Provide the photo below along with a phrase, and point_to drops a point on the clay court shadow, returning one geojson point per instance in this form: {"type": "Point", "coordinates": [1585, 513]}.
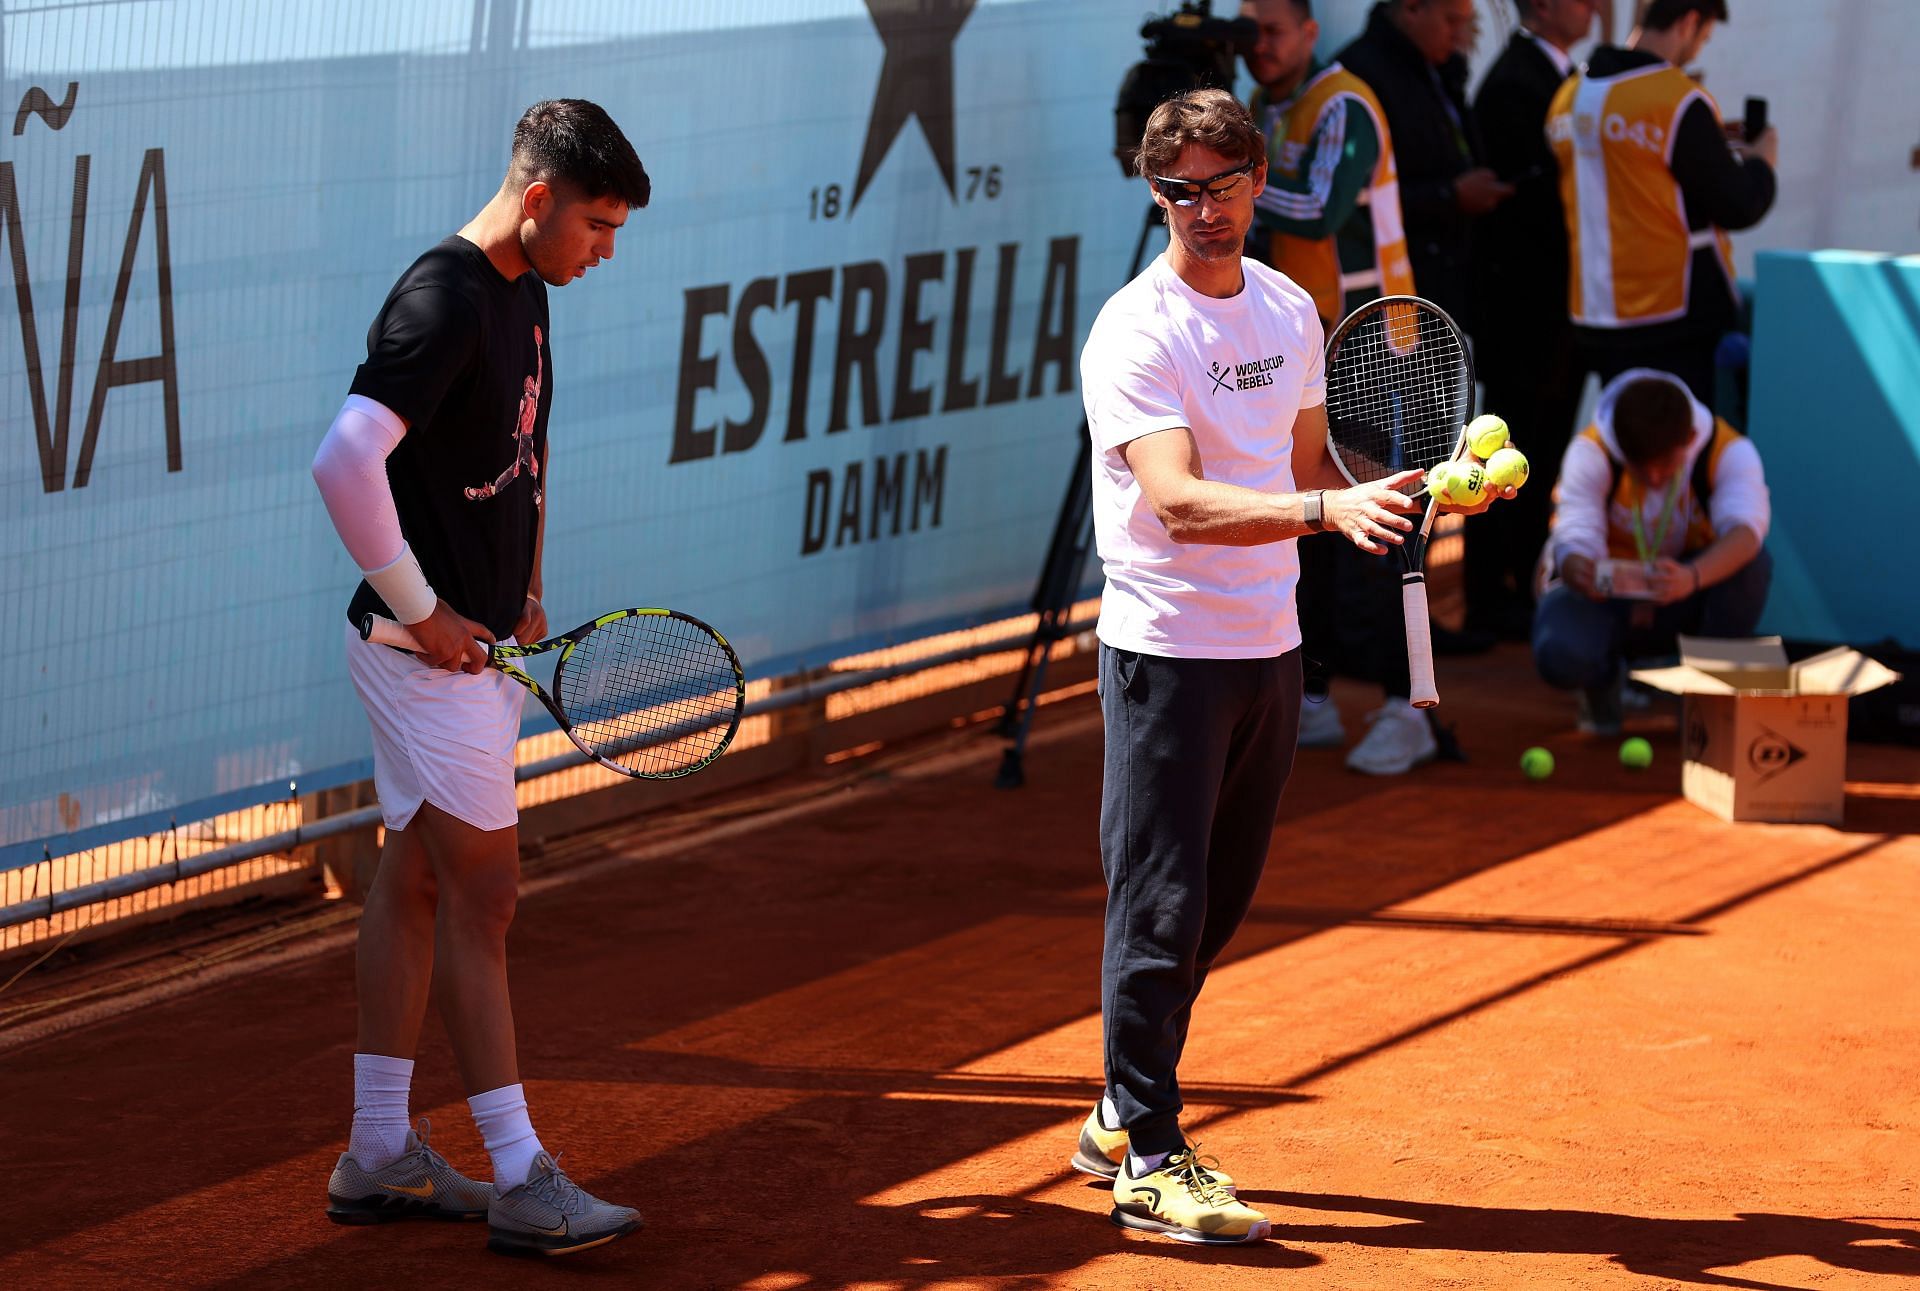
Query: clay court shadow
{"type": "Point", "coordinates": [807, 1199]}
{"type": "Point", "coordinates": [865, 1158]}
{"type": "Point", "coordinates": [976, 1236]}
{"type": "Point", "coordinates": [759, 966]}
{"type": "Point", "coordinates": [1683, 1250]}
{"type": "Point", "coordinates": [1882, 809]}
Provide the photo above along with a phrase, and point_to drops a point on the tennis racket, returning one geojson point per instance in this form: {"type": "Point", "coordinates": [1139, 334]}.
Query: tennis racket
{"type": "Point", "coordinates": [1399, 396]}
{"type": "Point", "coordinates": [652, 694]}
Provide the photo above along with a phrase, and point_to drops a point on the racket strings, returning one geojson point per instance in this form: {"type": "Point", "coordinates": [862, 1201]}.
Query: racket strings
{"type": "Point", "coordinates": [1398, 389]}
{"type": "Point", "coordinates": [655, 694]}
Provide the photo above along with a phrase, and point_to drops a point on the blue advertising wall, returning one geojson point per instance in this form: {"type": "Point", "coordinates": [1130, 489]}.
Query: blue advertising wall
{"type": "Point", "coordinates": [824, 396]}
{"type": "Point", "coordinates": [1834, 408]}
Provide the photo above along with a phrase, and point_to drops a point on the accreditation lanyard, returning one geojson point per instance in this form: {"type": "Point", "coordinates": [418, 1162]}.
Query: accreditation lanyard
{"type": "Point", "coordinates": [1648, 550]}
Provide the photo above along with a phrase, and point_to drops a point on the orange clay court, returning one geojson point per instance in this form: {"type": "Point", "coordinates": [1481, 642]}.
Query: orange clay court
{"type": "Point", "coordinates": [841, 1032]}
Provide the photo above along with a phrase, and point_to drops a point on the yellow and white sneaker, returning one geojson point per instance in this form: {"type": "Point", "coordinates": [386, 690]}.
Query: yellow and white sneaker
{"type": "Point", "coordinates": [1101, 1150]}
{"type": "Point", "coordinates": [1186, 1201]}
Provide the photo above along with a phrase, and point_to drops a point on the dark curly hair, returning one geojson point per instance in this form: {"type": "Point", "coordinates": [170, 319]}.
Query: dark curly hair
{"type": "Point", "coordinates": [577, 143]}
{"type": "Point", "coordinates": [1214, 119]}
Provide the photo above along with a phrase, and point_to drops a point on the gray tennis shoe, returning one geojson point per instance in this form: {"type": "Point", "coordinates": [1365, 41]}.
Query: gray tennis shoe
{"type": "Point", "coordinates": [418, 1184]}
{"type": "Point", "coordinates": [550, 1214]}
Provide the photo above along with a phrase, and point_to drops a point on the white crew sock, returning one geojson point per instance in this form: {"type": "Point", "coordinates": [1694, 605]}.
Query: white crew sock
{"type": "Point", "coordinates": [1109, 1114]}
{"type": "Point", "coordinates": [507, 1132]}
{"type": "Point", "coordinates": [380, 1087]}
{"type": "Point", "coordinates": [1145, 1165]}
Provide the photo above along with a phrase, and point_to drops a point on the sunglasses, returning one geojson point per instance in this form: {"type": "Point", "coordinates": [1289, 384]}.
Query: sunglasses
{"type": "Point", "coordinates": [1223, 187]}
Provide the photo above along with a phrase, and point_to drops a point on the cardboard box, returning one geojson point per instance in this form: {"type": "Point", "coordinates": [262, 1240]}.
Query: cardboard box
{"type": "Point", "coordinates": [1764, 739]}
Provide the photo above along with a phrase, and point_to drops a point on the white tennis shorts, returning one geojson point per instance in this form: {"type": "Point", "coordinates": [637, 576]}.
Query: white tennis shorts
{"type": "Point", "coordinates": [441, 737]}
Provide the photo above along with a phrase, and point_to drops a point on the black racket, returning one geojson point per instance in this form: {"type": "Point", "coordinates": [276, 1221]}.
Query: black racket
{"type": "Point", "coordinates": [652, 694]}
{"type": "Point", "coordinates": [1399, 396]}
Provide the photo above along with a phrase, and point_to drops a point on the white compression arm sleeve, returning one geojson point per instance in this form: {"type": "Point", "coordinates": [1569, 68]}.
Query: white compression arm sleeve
{"type": "Point", "coordinates": [351, 470]}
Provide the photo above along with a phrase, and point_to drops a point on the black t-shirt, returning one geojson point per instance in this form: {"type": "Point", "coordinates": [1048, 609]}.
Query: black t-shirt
{"type": "Point", "coordinates": [463, 355]}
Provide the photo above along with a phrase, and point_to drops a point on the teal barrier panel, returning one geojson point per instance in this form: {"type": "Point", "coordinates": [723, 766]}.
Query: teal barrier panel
{"type": "Point", "coordinates": [825, 396]}
{"type": "Point", "coordinates": [1834, 406]}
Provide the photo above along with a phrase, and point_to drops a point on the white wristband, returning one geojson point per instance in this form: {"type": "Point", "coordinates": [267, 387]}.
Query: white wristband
{"type": "Point", "coordinates": [403, 587]}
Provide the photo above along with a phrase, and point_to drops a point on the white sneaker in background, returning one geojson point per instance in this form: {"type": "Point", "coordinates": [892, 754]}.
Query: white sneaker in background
{"type": "Point", "coordinates": [1320, 726]}
{"type": "Point", "coordinates": [1399, 741]}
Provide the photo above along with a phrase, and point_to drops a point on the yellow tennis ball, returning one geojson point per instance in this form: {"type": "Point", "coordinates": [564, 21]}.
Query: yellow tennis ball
{"type": "Point", "coordinates": [1507, 468]}
{"type": "Point", "coordinates": [1486, 434]}
{"type": "Point", "coordinates": [1460, 484]}
{"type": "Point", "coordinates": [1537, 763]}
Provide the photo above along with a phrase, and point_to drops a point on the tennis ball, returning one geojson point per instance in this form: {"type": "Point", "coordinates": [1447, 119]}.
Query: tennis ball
{"type": "Point", "coordinates": [1459, 484]}
{"type": "Point", "coordinates": [1636, 753]}
{"type": "Point", "coordinates": [1537, 763]}
{"type": "Point", "coordinates": [1507, 468]}
{"type": "Point", "coordinates": [1486, 434]}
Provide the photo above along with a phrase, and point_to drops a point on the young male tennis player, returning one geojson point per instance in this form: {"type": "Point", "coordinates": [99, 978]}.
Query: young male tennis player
{"type": "Point", "coordinates": [1205, 394]}
{"type": "Point", "coordinates": [432, 473]}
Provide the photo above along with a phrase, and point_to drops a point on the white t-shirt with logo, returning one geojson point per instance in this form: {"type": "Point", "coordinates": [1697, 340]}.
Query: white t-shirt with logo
{"type": "Point", "coordinates": [1236, 372]}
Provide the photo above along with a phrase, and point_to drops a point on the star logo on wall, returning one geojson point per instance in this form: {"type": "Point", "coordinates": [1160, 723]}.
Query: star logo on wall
{"type": "Point", "coordinates": [916, 80]}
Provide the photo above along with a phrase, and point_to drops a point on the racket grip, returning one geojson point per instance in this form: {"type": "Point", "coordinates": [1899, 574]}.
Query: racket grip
{"type": "Point", "coordinates": [384, 631]}
{"type": "Point", "coordinates": [1413, 603]}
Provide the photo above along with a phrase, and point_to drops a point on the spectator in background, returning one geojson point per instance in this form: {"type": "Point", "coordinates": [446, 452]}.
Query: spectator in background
{"type": "Point", "coordinates": [1656, 481]}
{"type": "Point", "coordinates": [1329, 219]}
{"type": "Point", "coordinates": [1524, 354]}
{"type": "Point", "coordinates": [1331, 207]}
{"type": "Point", "coordinates": [1650, 182]}
{"type": "Point", "coordinates": [1409, 56]}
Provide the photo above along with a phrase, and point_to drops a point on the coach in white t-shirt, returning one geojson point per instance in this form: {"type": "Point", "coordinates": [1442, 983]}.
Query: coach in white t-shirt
{"type": "Point", "coordinates": [1205, 396]}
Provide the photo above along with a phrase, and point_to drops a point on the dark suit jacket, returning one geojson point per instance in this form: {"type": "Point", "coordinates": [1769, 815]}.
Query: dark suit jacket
{"type": "Point", "coordinates": [1520, 247]}
{"type": "Point", "coordinates": [1433, 141]}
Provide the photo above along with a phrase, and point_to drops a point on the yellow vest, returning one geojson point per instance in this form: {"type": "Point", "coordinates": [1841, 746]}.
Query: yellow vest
{"type": "Point", "coordinates": [1315, 263]}
{"type": "Point", "coordinates": [1630, 251]}
{"type": "Point", "coordinates": [1691, 506]}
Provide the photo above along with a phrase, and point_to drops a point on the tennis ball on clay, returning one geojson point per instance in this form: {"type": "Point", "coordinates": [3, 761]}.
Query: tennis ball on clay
{"type": "Point", "coordinates": [1486, 434]}
{"type": "Point", "coordinates": [1636, 753]}
{"type": "Point", "coordinates": [1537, 763]}
{"type": "Point", "coordinates": [1507, 468]}
{"type": "Point", "coordinates": [1458, 484]}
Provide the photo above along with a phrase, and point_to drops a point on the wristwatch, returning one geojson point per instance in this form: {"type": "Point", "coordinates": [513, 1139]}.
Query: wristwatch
{"type": "Point", "coordinates": [1311, 512]}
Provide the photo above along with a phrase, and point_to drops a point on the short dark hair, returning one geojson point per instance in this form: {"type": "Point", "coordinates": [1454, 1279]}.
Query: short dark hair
{"type": "Point", "coordinates": [1660, 15]}
{"type": "Point", "coordinates": [1651, 417]}
{"type": "Point", "coordinates": [577, 143]}
{"type": "Point", "coordinates": [1214, 119]}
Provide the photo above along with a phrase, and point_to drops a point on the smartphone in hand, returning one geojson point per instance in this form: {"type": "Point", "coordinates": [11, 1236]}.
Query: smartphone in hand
{"type": "Point", "coordinates": [1630, 580]}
